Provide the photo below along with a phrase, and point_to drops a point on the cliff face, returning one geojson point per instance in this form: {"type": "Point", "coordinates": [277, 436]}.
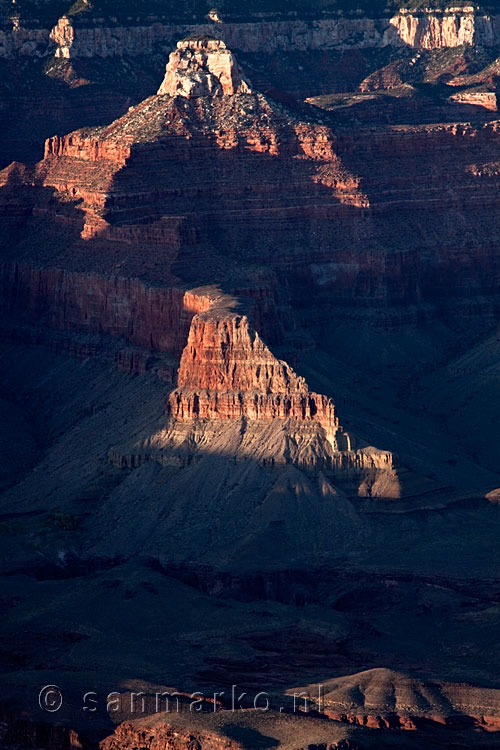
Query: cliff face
{"type": "Point", "coordinates": [427, 30]}
{"type": "Point", "coordinates": [450, 29]}
{"type": "Point", "coordinates": [234, 397]}
{"type": "Point", "coordinates": [149, 317]}
{"type": "Point", "coordinates": [422, 30]}
{"type": "Point", "coordinates": [227, 372]}
{"type": "Point", "coordinates": [318, 192]}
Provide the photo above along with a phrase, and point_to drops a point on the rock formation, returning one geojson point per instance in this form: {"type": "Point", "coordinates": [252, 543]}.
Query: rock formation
{"type": "Point", "coordinates": [228, 372]}
{"type": "Point", "coordinates": [386, 699]}
{"type": "Point", "coordinates": [95, 188]}
{"type": "Point", "coordinates": [486, 99]}
{"type": "Point", "coordinates": [232, 391]}
{"type": "Point", "coordinates": [203, 67]}
{"type": "Point", "coordinates": [223, 732]}
{"type": "Point", "coordinates": [450, 28]}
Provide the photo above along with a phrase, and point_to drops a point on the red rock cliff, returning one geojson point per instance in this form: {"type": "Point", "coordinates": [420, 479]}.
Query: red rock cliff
{"type": "Point", "coordinates": [227, 372]}
{"type": "Point", "coordinates": [150, 317]}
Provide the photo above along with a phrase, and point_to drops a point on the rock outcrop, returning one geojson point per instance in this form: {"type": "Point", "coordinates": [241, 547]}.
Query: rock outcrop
{"type": "Point", "coordinates": [235, 396]}
{"type": "Point", "coordinates": [486, 99]}
{"type": "Point", "coordinates": [227, 372]}
{"type": "Point", "coordinates": [203, 67]}
{"type": "Point", "coordinates": [244, 730]}
{"type": "Point", "coordinates": [451, 28]}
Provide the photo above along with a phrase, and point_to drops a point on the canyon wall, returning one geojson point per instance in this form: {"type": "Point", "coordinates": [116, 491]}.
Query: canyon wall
{"type": "Point", "coordinates": [422, 31]}
{"type": "Point", "coordinates": [351, 218]}
{"type": "Point", "coordinates": [371, 220]}
{"type": "Point", "coordinates": [428, 30]}
{"type": "Point", "coordinates": [152, 318]}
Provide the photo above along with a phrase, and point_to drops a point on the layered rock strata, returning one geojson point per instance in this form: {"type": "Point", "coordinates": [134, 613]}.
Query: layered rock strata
{"type": "Point", "coordinates": [151, 317]}
{"type": "Point", "coordinates": [364, 219]}
{"type": "Point", "coordinates": [71, 38]}
{"type": "Point", "coordinates": [227, 372]}
{"type": "Point", "coordinates": [234, 396]}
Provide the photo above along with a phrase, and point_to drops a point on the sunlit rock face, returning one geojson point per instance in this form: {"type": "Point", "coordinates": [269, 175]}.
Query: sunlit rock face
{"type": "Point", "coordinates": [203, 67]}
{"type": "Point", "coordinates": [227, 371]}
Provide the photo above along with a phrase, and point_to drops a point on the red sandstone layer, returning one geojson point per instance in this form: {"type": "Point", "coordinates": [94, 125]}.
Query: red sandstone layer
{"type": "Point", "coordinates": [227, 372]}
{"type": "Point", "coordinates": [150, 317]}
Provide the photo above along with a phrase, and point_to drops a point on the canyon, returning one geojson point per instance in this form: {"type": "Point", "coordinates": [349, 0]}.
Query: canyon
{"type": "Point", "coordinates": [249, 388]}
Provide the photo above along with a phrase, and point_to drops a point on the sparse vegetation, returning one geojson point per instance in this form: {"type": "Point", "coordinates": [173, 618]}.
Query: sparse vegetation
{"type": "Point", "coordinates": [80, 6]}
{"type": "Point", "coordinates": [62, 521]}
{"type": "Point", "coordinates": [6, 527]}
{"type": "Point", "coordinates": [198, 38]}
